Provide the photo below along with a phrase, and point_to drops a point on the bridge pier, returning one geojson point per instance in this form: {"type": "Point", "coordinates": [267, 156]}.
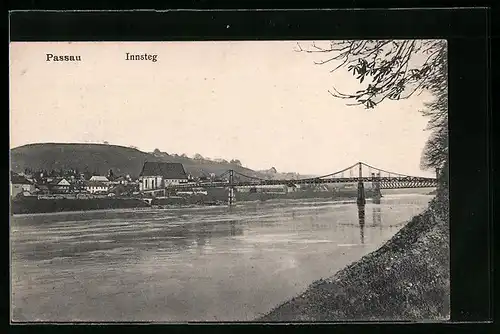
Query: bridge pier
{"type": "Point", "coordinates": [377, 194]}
{"type": "Point", "coordinates": [231, 197]}
{"type": "Point", "coordinates": [361, 201]}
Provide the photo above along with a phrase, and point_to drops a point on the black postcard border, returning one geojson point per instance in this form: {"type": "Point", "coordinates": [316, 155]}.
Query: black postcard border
{"type": "Point", "coordinates": [467, 32]}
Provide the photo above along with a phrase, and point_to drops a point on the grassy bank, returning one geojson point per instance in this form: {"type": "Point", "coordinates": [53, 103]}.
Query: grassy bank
{"type": "Point", "coordinates": [406, 279]}
{"type": "Point", "coordinates": [33, 205]}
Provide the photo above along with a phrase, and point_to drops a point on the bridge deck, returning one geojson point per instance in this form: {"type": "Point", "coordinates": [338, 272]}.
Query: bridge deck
{"type": "Point", "coordinates": [385, 182]}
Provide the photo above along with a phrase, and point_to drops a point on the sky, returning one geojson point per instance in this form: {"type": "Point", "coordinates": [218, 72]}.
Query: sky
{"type": "Point", "coordinates": [260, 102]}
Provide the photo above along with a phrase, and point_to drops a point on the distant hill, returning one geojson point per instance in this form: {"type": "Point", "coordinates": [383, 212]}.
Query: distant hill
{"type": "Point", "coordinates": [101, 158]}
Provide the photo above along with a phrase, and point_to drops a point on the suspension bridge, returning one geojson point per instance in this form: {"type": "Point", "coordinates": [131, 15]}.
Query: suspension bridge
{"type": "Point", "coordinates": [359, 173]}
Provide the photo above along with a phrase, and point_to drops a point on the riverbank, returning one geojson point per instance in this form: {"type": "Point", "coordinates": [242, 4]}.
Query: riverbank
{"type": "Point", "coordinates": [406, 279]}
{"type": "Point", "coordinates": [34, 205]}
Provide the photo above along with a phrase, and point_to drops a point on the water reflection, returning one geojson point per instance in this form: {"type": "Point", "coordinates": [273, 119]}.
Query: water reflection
{"type": "Point", "coordinates": [232, 224]}
{"type": "Point", "coordinates": [201, 234]}
{"type": "Point", "coordinates": [361, 218]}
{"type": "Point", "coordinates": [377, 217]}
{"type": "Point", "coordinates": [203, 238]}
{"type": "Point", "coordinates": [85, 241]}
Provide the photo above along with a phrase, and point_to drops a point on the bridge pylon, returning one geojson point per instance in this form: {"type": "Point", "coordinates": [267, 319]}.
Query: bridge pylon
{"type": "Point", "coordinates": [361, 200]}
{"type": "Point", "coordinates": [231, 198]}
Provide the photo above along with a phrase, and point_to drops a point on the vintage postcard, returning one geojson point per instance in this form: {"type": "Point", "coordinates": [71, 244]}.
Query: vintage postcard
{"type": "Point", "coordinates": [229, 181]}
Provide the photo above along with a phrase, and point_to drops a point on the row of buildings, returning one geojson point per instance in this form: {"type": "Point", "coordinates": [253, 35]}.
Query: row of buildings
{"type": "Point", "coordinates": [154, 180]}
{"type": "Point", "coordinates": [154, 177]}
{"type": "Point", "coordinates": [29, 185]}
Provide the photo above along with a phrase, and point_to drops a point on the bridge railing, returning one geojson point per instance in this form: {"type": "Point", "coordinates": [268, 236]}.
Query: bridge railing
{"type": "Point", "coordinates": [312, 181]}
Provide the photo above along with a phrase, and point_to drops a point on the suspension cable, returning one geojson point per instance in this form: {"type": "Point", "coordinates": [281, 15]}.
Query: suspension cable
{"type": "Point", "coordinates": [249, 177]}
{"type": "Point", "coordinates": [327, 175]}
{"type": "Point", "coordinates": [381, 170]}
{"type": "Point", "coordinates": [223, 174]}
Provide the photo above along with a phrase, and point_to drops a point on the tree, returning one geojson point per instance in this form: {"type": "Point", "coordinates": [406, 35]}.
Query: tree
{"type": "Point", "coordinates": [395, 70]}
{"type": "Point", "coordinates": [435, 153]}
{"type": "Point", "coordinates": [156, 151]}
{"type": "Point", "coordinates": [198, 156]}
{"type": "Point", "coordinates": [235, 162]}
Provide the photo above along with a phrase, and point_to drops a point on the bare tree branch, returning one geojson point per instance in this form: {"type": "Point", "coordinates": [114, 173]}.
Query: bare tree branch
{"type": "Point", "coordinates": [392, 71]}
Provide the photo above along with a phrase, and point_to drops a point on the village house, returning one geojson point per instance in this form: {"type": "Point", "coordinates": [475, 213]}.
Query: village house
{"type": "Point", "coordinates": [158, 175]}
{"type": "Point", "coordinates": [291, 187]}
{"type": "Point", "coordinates": [59, 185]}
{"type": "Point", "coordinates": [56, 185]}
{"type": "Point", "coordinates": [124, 180]}
{"type": "Point", "coordinates": [77, 186]}
{"type": "Point", "coordinates": [120, 180]}
{"type": "Point", "coordinates": [20, 185]}
{"type": "Point", "coordinates": [94, 187]}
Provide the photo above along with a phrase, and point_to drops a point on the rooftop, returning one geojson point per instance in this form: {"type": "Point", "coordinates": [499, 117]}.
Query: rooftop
{"type": "Point", "coordinates": [55, 181]}
{"type": "Point", "coordinates": [99, 178]}
{"type": "Point", "coordinates": [18, 179]}
{"type": "Point", "coordinates": [167, 170]}
{"type": "Point", "coordinates": [94, 184]}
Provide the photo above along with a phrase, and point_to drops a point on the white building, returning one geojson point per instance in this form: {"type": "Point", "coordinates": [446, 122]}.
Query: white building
{"type": "Point", "coordinates": [95, 187]}
{"type": "Point", "coordinates": [19, 184]}
{"type": "Point", "coordinates": [159, 175]}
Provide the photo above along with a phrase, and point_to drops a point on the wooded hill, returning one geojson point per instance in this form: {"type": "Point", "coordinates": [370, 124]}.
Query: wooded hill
{"type": "Point", "coordinates": [100, 158]}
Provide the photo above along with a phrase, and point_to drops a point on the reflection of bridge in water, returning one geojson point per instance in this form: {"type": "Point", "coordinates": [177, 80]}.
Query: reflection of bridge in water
{"type": "Point", "coordinates": [376, 220]}
{"type": "Point", "coordinates": [379, 178]}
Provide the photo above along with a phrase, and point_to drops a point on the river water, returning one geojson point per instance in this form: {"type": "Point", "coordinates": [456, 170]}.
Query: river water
{"type": "Point", "coordinates": [190, 264]}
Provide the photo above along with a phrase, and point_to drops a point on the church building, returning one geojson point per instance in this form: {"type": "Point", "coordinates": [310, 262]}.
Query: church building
{"type": "Point", "coordinates": [159, 175]}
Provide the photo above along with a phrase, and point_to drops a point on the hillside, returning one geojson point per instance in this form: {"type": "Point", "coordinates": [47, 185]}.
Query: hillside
{"type": "Point", "coordinates": [273, 174]}
{"type": "Point", "coordinates": [101, 157]}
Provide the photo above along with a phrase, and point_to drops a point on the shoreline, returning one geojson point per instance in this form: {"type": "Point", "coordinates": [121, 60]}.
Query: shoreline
{"type": "Point", "coordinates": [32, 206]}
{"type": "Point", "coordinates": [406, 279]}
{"type": "Point", "coordinates": [181, 206]}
